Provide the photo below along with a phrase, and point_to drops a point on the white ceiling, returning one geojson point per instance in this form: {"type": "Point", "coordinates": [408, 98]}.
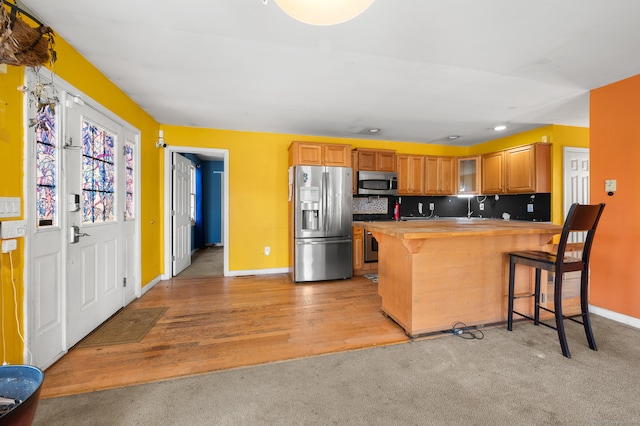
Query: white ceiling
{"type": "Point", "coordinates": [419, 69]}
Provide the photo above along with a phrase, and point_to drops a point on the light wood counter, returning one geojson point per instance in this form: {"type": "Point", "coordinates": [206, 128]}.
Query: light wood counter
{"type": "Point", "coordinates": [432, 274]}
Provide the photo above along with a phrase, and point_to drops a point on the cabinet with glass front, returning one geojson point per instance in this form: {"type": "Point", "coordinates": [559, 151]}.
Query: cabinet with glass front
{"type": "Point", "coordinates": [468, 175]}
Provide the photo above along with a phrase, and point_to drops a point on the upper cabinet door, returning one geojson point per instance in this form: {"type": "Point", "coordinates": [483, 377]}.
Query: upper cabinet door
{"type": "Point", "coordinates": [337, 155]}
{"type": "Point", "coordinates": [376, 160]}
{"type": "Point", "coordinates": [468, 175]}
{"type": "Point", "coordinates": [310, 154]}
{"type": "Point", "coordinates": [410, 169]}
{"type": "Point", "coordinates": [319, 154]}
{"type": "Point", "coordinates": [528, 169]}
{"type": "Point", "coordinates": [367, 160]}
{"type": "Point", "coordinates": [386, 161]}
{"type": "Point", "coordinates": [439, 175]}
{"type": "Point", "coordinates": [493, 173]}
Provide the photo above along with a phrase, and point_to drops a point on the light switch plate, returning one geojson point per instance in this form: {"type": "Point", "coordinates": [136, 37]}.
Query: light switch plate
{"type": "Point", "coordinates": [9, 207]}
{"type": "Point", "coordinates": [610, 185]}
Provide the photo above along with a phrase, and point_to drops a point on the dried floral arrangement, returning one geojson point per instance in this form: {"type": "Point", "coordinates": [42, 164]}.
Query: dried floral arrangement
{"type": "Point", "coordinates": [21, 44]}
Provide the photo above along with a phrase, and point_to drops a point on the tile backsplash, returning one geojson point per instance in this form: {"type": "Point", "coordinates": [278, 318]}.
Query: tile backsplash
{"type": "Point", "coordinates": [370, 205]}
{"type": "Point", "coordinates": [515, 205]}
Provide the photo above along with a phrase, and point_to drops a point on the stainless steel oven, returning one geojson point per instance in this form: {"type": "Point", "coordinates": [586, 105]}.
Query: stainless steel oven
{"type": "Point", "coordinates": [370, 247]}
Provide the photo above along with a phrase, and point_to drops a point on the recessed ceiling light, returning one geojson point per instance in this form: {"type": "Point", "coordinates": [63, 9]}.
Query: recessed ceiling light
{"type": "Point", "coordinates": [453, 137]}
{"type": "Point", "coordinates": [374, 130]}
{"type": "Point", "coordinates": [499, 128]}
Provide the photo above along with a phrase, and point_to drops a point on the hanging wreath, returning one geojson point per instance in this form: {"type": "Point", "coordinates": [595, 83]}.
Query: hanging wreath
{"type": "Point", "coordinates": [21, 44]}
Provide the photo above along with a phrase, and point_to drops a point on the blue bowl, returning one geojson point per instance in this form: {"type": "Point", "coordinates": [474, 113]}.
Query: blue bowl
{"type": "Point", "coordinates": [21, 383]}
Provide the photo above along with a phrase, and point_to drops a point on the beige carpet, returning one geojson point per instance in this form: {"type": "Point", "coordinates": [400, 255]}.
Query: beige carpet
{"type": "Point", "coordinates": [507, 378]}
{"type": "Point", "coordinates": [206, 262]}
{"type": "Point", "coordinates": [127, 326]}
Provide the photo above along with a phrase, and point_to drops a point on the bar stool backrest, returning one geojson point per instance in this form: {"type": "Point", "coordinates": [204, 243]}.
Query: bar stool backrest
{"type": "Point", "coordinates": [581, 217]}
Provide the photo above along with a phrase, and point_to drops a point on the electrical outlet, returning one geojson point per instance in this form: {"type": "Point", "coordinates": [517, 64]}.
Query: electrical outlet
{"type": "Point", "coordinates": [9, 245]}
{"type": "Point", "coordinates": [481, 206]}
{"type": "Point", "coordinates": [267, 250]}
{"type": "Point", "coordinates": [529, 208]}
{"type": "Point", "coordinates": [432, 206]}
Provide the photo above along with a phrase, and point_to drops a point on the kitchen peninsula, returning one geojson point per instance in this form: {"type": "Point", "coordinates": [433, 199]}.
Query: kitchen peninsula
{"type": "Point", "coordinates": [434, 273]}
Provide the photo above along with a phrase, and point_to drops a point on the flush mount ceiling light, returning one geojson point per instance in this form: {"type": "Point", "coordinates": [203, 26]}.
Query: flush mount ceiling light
{"type": "Point", "coordinates": [453, 137]}
{"type": "Point", "coordinates": [374, 130]}
{"type": "Point", "coordinates": [499, 128]}
{"type": "Point", "coordinates": [323, 12]}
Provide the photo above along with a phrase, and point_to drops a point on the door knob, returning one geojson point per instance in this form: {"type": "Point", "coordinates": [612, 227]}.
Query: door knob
{"type": "Point", "coordinates": [76, 234]}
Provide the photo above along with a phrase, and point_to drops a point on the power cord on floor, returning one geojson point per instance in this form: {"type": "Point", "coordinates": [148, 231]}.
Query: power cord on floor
{"type": "Point", "coordinates": [460, 329]}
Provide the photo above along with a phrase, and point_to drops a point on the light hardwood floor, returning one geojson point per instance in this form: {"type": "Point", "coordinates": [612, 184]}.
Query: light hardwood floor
{"type": "Point", "coordinates": [219, 323]}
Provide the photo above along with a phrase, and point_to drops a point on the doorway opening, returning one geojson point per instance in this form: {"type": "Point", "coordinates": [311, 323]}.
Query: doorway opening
{"type": "Point", "coordinates": [205, 154]}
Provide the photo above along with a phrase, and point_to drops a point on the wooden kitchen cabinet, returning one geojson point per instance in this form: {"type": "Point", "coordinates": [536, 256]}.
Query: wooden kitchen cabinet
{"type": "Point", "coordinates": [410, 169]}
{"type": "Point", "coordinates": [376, 160]}
{"type": "Point", "coordinates": [319, 154]}
{"type": "Point", "coordinates": [359, 265]}
{"type": "Point", "coordinates": [468, 175]}
{"type": "Point", "coordinates": [493, 173]}
{"type": "Point", "coordinates": [519, 170]}
{"type": "Point", "coordinates": [439, 175]}
{"type": "Point", "coordinates": [354, 172]}
{"type": "Point", "coordinates": [528, 169]}
{"type": "Point", "coordinates": [358, 249]}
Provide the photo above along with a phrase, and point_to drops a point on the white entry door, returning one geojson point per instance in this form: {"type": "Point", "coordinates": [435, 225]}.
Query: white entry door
{"type": "Point", "coordinates": [181, 213]}
{"type": "Point", "coordinates": [95, 239]}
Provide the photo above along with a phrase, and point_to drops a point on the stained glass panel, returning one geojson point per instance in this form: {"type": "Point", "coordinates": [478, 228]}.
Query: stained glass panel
{"type": "Point", "coordinates": [98, 174]}
{"type": "Point", "coordinates": [46, 166]}
{"type": "Point", "coordinates": [129, 206]}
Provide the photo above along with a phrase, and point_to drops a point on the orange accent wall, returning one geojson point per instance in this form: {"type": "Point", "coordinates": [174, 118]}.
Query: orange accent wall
{"type": "Point", "coordinates": [615, 154]}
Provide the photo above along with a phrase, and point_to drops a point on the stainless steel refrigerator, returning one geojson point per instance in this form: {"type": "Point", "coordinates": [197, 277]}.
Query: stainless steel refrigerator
{"type": "Point", "coordinates": [322, 202]}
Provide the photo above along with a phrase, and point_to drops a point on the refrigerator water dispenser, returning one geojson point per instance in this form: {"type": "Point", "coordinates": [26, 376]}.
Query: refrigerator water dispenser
{"type": "Point", "coordinates": [310, 219]}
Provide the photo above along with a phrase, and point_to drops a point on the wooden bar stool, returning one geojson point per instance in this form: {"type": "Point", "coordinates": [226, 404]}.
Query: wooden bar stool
{"type": "Point", "coordinates": [581, 218]}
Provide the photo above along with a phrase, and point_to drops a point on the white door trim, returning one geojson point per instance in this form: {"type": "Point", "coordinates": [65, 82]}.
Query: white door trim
{"type": "Point", "coordinates": [222, 154]}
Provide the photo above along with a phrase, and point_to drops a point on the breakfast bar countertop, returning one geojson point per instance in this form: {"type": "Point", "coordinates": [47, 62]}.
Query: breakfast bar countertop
{"type": "Point", "coordinates": [456, 227]}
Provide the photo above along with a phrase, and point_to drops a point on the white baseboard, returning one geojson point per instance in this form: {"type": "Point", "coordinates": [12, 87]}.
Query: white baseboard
{"type": "Point", "coordinates": [615, 316]}
{"type": "Point", "coordinates": [151, 284]}
{"type": "Point", "coordinates": [258, 272]}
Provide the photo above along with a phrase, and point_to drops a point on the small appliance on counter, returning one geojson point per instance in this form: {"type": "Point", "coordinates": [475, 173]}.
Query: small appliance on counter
{"type": "Point", "coordinates": [322, 216]}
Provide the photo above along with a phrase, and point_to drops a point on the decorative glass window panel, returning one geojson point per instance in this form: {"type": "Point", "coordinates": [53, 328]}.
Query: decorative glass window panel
{"type": "Point", "coordinates": [98, 174]}
{"type": "Point", "coordinates": [129, 207]}
{"type": "Point", "coordinates": [46, 166]}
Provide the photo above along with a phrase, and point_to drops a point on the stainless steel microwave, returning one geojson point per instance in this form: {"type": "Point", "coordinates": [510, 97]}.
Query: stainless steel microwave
{"type": "Point", "coordinates": [377, 183]}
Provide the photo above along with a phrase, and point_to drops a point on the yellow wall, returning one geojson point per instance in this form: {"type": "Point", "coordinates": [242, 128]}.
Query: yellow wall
{"type": "Point", "coordinates": [11, 178]}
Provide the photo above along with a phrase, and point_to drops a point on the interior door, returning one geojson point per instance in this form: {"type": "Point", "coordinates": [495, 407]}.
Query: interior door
{"type": "Point", "coordinates": [576, 182]}
{"type": "Point", "coordinates": [181, 214]}
{"type": "Point", "coordinates": [95, 249]}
